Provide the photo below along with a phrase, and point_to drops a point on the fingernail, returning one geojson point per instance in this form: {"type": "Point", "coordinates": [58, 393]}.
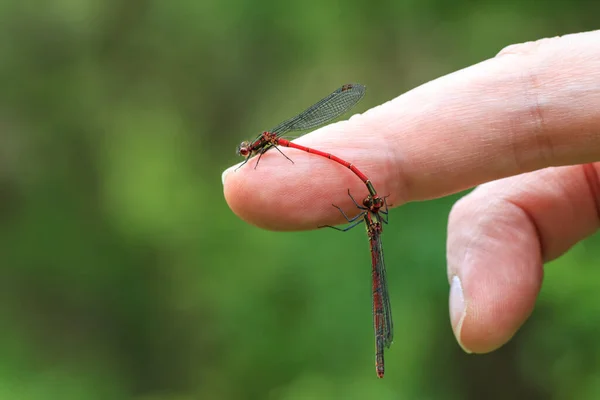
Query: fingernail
{"type": "Point", "coordinates": [458, 310]}
{"type": "Point", "coordinates": [227, 172]}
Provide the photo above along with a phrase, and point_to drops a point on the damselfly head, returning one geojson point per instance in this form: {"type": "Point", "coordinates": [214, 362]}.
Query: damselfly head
{"type": "Point", "coordinates": [243, 149]}
{"type": "Point", "coordinates": [378, 202]}
{"type": "Point", "coordinates": [374, 204]}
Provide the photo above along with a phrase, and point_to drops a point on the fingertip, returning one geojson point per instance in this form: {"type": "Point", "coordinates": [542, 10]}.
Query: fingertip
{"type": "Point", "coordinates": [229, 171]}
{"type": "Point", "coordinates": [284, 196]}
{"type": "Point", "coordinates": [494, 261]}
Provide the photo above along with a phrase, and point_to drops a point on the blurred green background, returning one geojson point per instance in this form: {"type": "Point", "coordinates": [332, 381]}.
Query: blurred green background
{"type": "Point", "coordinates": [125, 275]}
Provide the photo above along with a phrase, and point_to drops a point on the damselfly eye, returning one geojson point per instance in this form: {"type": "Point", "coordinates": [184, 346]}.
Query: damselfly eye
{"type": "Point", "coordinates": [368, 202]}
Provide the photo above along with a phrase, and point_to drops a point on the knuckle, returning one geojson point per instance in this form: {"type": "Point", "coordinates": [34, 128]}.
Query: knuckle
{"type": "Point", "coordinates": [528, 48]}
{"type": "Point", "coordinates": [537, 146]}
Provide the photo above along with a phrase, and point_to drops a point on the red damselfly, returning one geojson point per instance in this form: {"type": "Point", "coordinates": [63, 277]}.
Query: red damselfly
{"type": "Point", "coordinates": [374, 218]}
{"type": "Point", "coordinates": [325, 110]}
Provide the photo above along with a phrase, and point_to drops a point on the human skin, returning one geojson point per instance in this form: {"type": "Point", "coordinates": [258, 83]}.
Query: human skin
{"type": "Point", "coordinates": [524, 126]}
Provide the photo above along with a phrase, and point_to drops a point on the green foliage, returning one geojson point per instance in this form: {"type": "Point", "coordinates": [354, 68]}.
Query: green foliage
{"type": "Point", "coordinates": [125, 276]}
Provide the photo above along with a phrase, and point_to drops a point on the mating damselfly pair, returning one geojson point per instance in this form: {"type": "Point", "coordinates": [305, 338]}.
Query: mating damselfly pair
{"type": "Point", "coordinates": [373, 210]}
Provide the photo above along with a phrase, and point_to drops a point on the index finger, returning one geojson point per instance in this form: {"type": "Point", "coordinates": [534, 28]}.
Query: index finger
{"type": "Point", "coordinates": [534, 105]}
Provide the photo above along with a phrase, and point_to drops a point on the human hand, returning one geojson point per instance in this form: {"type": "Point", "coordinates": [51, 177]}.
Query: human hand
{"type": "Point", "coordinates": [527, 122]}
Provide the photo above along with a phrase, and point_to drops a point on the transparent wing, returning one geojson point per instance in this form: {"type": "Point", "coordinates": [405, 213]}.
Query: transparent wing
{"type": "Point", "coordinates": [325, 110]}
{"type": "Point", "coordinates": [380, 282]}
